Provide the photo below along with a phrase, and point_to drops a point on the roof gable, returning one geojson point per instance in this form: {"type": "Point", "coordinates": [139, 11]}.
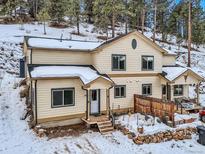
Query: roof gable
{"type": "Point", "coordinates": [173, 73]}
{"type": "Point", "coordinates": [122, 37]}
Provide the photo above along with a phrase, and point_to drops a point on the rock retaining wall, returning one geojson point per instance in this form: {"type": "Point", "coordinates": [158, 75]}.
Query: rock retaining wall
{"type": "Point", "coordinates": [178, 134]}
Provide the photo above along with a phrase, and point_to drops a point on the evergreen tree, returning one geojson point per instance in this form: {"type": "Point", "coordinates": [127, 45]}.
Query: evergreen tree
{"type": "Point", "coordinates": [163, 13]}
{"type": "Point", "coordinates": [57, 10]}
{"type": "Point", "coordinates": [101, 20]}
{"type": "Point", "coordinates": [12, 5]}
{"type": "Point", "coordinates": [108, 9]}
{"type": "Point", "coordinates": [74, 11]}
{"type": "Point", "coordinates": [89, 11]}
{"type": "Point", "coordinates": [43, 15]}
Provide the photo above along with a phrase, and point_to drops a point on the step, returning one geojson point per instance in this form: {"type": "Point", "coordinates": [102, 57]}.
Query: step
{"type": "Point", "coordinates": [104, 122]}
{"type": "Point", "coordinates": [105, 133]}
{"type": "Point", "coordinates": [105, 125]}
{"type": "Point", "coordinates": [107, 129]}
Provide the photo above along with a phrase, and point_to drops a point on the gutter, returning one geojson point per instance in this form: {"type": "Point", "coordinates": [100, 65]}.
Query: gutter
{"type": "Point", "coordinates": [31, 56]}
{"type": "Point", "coordinates": [36, 122]}
{"type": "Point", "coordinates": [109, 99]}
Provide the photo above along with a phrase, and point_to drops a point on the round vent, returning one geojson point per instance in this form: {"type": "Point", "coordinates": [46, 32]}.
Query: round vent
{"type": "Point", "coordinates": [134, 44]}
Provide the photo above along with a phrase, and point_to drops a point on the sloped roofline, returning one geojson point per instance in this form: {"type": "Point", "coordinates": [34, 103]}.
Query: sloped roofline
{"type": "Point", "coordinates": [187, 71]}
{"type": "Point", "coordinates": [105, 43]}
{"type": "Point", "coordinates": [113, 40]}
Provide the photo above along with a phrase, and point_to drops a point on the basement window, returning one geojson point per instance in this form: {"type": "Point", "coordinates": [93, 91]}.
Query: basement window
{"type": "Point", "coordinates": [62, 97]}
{"type": "Point", "coordinates": [146, 89]}
{"type": "Point", "coordinates": [178, 90]}
{"type": "Point", "coordinates": [120, 91]}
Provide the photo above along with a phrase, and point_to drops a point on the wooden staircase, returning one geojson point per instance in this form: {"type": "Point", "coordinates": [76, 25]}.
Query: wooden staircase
{"type": "Point", "coordinates": [105, 127]}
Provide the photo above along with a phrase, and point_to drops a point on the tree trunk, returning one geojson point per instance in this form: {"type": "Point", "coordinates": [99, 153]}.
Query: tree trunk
{"type": "Point", "coordinates": [113, 25]}
{"type": "Point", "coordinates": [155, 20]}
{"type": "Point", "coordinates": [126, 19]}
{"type": "Point", "coordinates": [36, 9]}
{"type": "Point", "coordinates": [143, 19]}
{"type": "Point", "coordinates": [189, 35]}
{"type": "Point", "coordinates": [44, 25]}
{"type": "Point", "coordinates": [78, 26]}
{"type": "Point", "coordinates": [126, 25]}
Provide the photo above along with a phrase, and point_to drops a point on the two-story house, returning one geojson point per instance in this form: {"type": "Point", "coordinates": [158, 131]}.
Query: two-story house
{"type": "Point", "coordinates": [71, 79]}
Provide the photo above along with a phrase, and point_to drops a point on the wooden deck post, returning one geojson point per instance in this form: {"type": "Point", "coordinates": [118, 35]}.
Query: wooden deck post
{"type": "Point", "coordinates": [88, 109]}
{"type": "Point", "coordinates": [197, 91]}
{"type": "Point", "coordinates": [107, 102]}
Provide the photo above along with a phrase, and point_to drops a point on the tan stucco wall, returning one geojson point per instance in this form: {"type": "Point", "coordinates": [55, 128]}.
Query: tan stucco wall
{"type": "Point", "coordinates": [102, 59]}
{"type": "Point", "coordinates": [60, 57]}
{"type": "Point", "coordinates": [44, 98]}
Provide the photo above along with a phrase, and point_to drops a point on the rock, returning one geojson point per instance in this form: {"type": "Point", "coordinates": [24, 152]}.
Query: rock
{"type": "Point", "coordinates": [41, 132]}
{"type": "Point", "coordinates": [136, 141]}
{"type": "Point", "coordinates": [140, 130]}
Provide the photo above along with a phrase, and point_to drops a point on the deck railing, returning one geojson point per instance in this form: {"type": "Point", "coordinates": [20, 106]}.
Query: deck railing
{"type": "Point", "coordinates": [155, 107]}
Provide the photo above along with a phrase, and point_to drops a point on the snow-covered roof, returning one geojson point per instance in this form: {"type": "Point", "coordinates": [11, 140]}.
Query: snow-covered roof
{"type": "Point", "coordinates": [86, 74]}
{"type": "Point", "coordinates": [62, 44]}
{"type": "Point", "coordinates": [173, 72]}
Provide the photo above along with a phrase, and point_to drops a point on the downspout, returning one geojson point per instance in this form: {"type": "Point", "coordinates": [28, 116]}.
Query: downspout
{"type": "Point", "coordinates": [109, 100]}
{"type": "Point", "coordinates": [36, 121]}
{"type": "Point", "coordinates": [86, 102]}
{"type": "Point", "coordinates": [31, 56]}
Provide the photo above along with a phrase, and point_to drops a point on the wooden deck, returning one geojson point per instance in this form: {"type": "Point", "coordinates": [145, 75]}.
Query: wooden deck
{"type": "Point", "coordinates": [95, 119]}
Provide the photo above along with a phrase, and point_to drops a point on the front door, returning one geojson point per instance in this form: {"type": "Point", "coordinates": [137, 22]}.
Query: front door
{"type": "Point", "coordinates": [95, 102]}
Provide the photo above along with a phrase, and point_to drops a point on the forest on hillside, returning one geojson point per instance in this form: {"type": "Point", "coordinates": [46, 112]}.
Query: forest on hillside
{"type": "Point", "coordinates": [160, 16]}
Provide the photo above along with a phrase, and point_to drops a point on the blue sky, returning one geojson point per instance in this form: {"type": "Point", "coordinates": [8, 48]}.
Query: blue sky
{"type": "Point", "coordinates": [202, 3]}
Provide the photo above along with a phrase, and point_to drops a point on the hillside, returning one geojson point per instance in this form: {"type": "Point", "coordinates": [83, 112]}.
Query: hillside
{"type": "Point", "coordinates": [15, 135]}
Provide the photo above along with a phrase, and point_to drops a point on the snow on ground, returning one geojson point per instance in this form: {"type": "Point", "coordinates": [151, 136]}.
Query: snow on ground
{"type": "Point", "coordinates": [16, 137]}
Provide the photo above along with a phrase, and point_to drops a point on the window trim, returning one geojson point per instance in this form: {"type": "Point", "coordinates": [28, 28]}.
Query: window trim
{"type": "Point", "coordinates": [178, 87]}
{"type": "Point", "coordinates": [113, 69]}
{"type": "Point", "coordinates": [117, 86]}
{"type": "Point", "coordinates": [147, 84]}
{"type": "Point", "coordinates": [142, 63]}
{"type": "Point", "coordinates": [62, 89]}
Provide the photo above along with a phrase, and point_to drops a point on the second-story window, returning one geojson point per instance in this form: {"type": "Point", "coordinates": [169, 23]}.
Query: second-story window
{"type": "Point", "coordinates": [147, 63]}
{"type": "Point", "coordinates": [118, 62]}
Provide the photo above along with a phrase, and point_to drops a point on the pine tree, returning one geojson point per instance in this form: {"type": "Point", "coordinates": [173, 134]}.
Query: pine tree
{"type": "Point", "coordinates": [137, 13]}
{"type": "Point", "coordinates": [57, 10]}
{"type": "Point", "coordinates": [11, 6]}
{"type": "Point", "coordinates": [89, 10]}
{"type": "Point", "coordinates": [74, 11]}
{"type": "Point", "coordinates": [101, 20]}
{"type": "Point", "coordinates": [43, 15]}
{"type": "Point", "coordinates": [111, 9]}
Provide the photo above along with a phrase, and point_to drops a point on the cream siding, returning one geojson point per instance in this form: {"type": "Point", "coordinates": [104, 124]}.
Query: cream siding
{"type": "Point", "coordinates": [44, 108]}
{"type": "Point", "coordinates": [169, 60]}
{"type": "Point", "coordinates": [185, 92]}
{"type": "Point", "coordinates": [102, 59]}
{"type": "Point", "coordinates": [61, 57]}
{"type": "Point", "coordinates": [189, 80]}
{"type": "Point", "coordinates": [134, 86]}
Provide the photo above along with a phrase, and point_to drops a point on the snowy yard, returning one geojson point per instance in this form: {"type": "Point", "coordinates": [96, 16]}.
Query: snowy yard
{"type": "Point", "coordinates": [15, 135]}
